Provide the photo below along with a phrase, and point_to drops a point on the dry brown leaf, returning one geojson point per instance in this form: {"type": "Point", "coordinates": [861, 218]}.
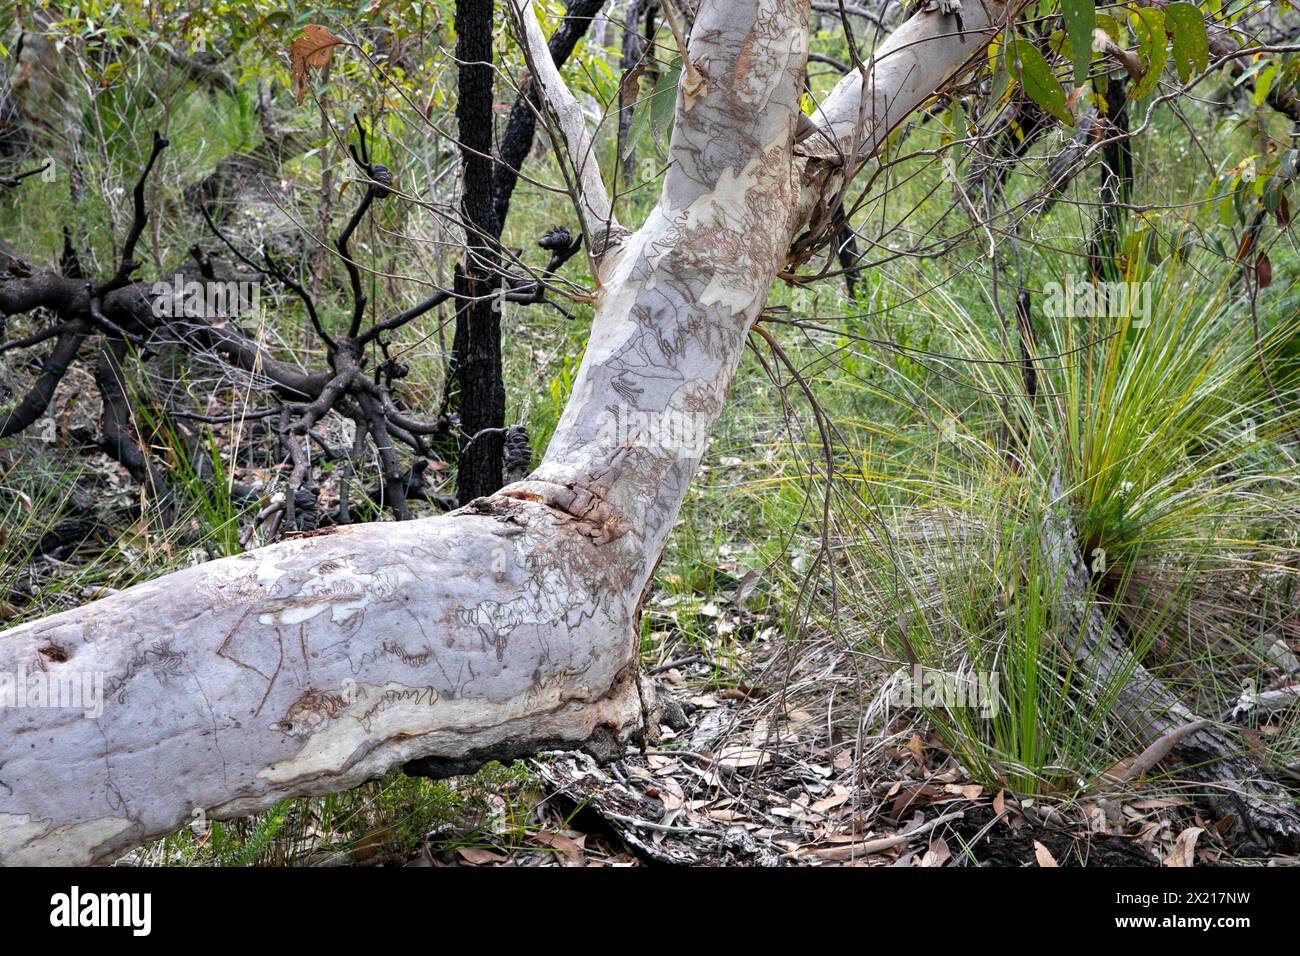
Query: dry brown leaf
{"type": "Point", "coordinates": [1044, 855]}
{"type": "Point", "coordinates": [917, 751]}
{"type": "Point", "coordinates": [1246, 244]}
{"type": "Point", "coordinates": [311, 51]}
{"type": "Point", "coordinates": [371, 844]}
{"type": "Point", "coordinates": [476, 856]}
{"type": "Point", "coordinates": [671, 793]}
{"type": "Point", "coordinates": [849, 851]}
{"type": "Point", "coordinates": [1184, 852]}
{"type": "Point", "coordinates": [558, 841]}
{"type": "Point", "coordinates": [840, 796]}
{"type": "Point", "coordinates": [629, 87]}
{"type": "Point", "coordinates": [1158, 803]}
{"type": "Point", "coordinates": [1073, 99]}
{"type": "Point", "coordinates": [914, 796]}
{"type": "Point", "coordinates": [938, 853]}
{"type": "Point", "coordinates": [739, 756]}
{"type": "Point", "coordinates": [1264, 270]}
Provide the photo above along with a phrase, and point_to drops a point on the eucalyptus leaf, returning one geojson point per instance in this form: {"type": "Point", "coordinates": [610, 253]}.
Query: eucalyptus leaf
{"type": "Point", "coordinates": [1040, 83]}
{"type": "Point", "coordinates": [1080, 20]}
{"type": "Point", "coordinates": [1191, 42]}
{"type": "Point", "coordinates": [1153, 45]}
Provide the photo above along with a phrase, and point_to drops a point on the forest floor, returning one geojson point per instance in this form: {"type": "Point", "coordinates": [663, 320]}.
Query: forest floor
{"type": "Point", "coordinates": [765, 776]}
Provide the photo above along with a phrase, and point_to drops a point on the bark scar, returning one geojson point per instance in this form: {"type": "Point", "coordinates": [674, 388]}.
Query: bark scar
{"type": "Point", "coordinates": [585, 505]}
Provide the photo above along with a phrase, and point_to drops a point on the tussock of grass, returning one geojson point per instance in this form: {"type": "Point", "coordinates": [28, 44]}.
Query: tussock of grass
{"type": "Point", "coordinates": [1183, 516]}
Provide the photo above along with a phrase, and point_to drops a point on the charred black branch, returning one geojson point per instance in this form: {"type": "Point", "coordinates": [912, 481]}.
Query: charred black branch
{"type": "Point", "coordinates": [116, 438]}
{"type": "Point", "coordinates": [128, 263]}
{"type": "Point", "coordinates": [13, 181]}
{"type": "Point", "coordinates": [37, 400]}
{"type": "Point", "coordinates": [275, 271]}
{"type": "Point", "coordinates": [481, 397]}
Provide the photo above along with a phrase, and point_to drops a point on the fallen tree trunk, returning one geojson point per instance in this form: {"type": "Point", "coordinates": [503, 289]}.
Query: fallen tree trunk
{"type": "Point", "coordinates": [315, 664]}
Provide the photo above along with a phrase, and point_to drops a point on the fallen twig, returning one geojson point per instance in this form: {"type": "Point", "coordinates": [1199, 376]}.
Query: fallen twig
{"type": "Point", "coordinates": [850, 850]}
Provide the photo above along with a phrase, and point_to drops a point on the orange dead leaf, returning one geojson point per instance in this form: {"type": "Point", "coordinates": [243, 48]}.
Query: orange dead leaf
{"type": "Point", "coordinates": [559, 841]}
{"type": "Point", "coordinates": [311, 51]}
{"type": "Point", "coordinates": [629, 87]}
{"type": "Point", "coordinates": [1072, 100]}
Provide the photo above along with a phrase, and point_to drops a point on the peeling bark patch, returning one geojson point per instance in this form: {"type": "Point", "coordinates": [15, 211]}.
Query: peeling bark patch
{"type": "Point", "coordinates": [583, 507]}
{"type": "Point", "coordinates": [588, 506]}
{"type": "Point", "coordinates": [311, 710]}
{"type": "Point", "coordinates": [695, 83]}
{"type": "Point", "coordinates": [522, 495]}
{"type": "Point", "coordinates": [28, 842]}
{"type": "Point", "coordinates": [397, 699]}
